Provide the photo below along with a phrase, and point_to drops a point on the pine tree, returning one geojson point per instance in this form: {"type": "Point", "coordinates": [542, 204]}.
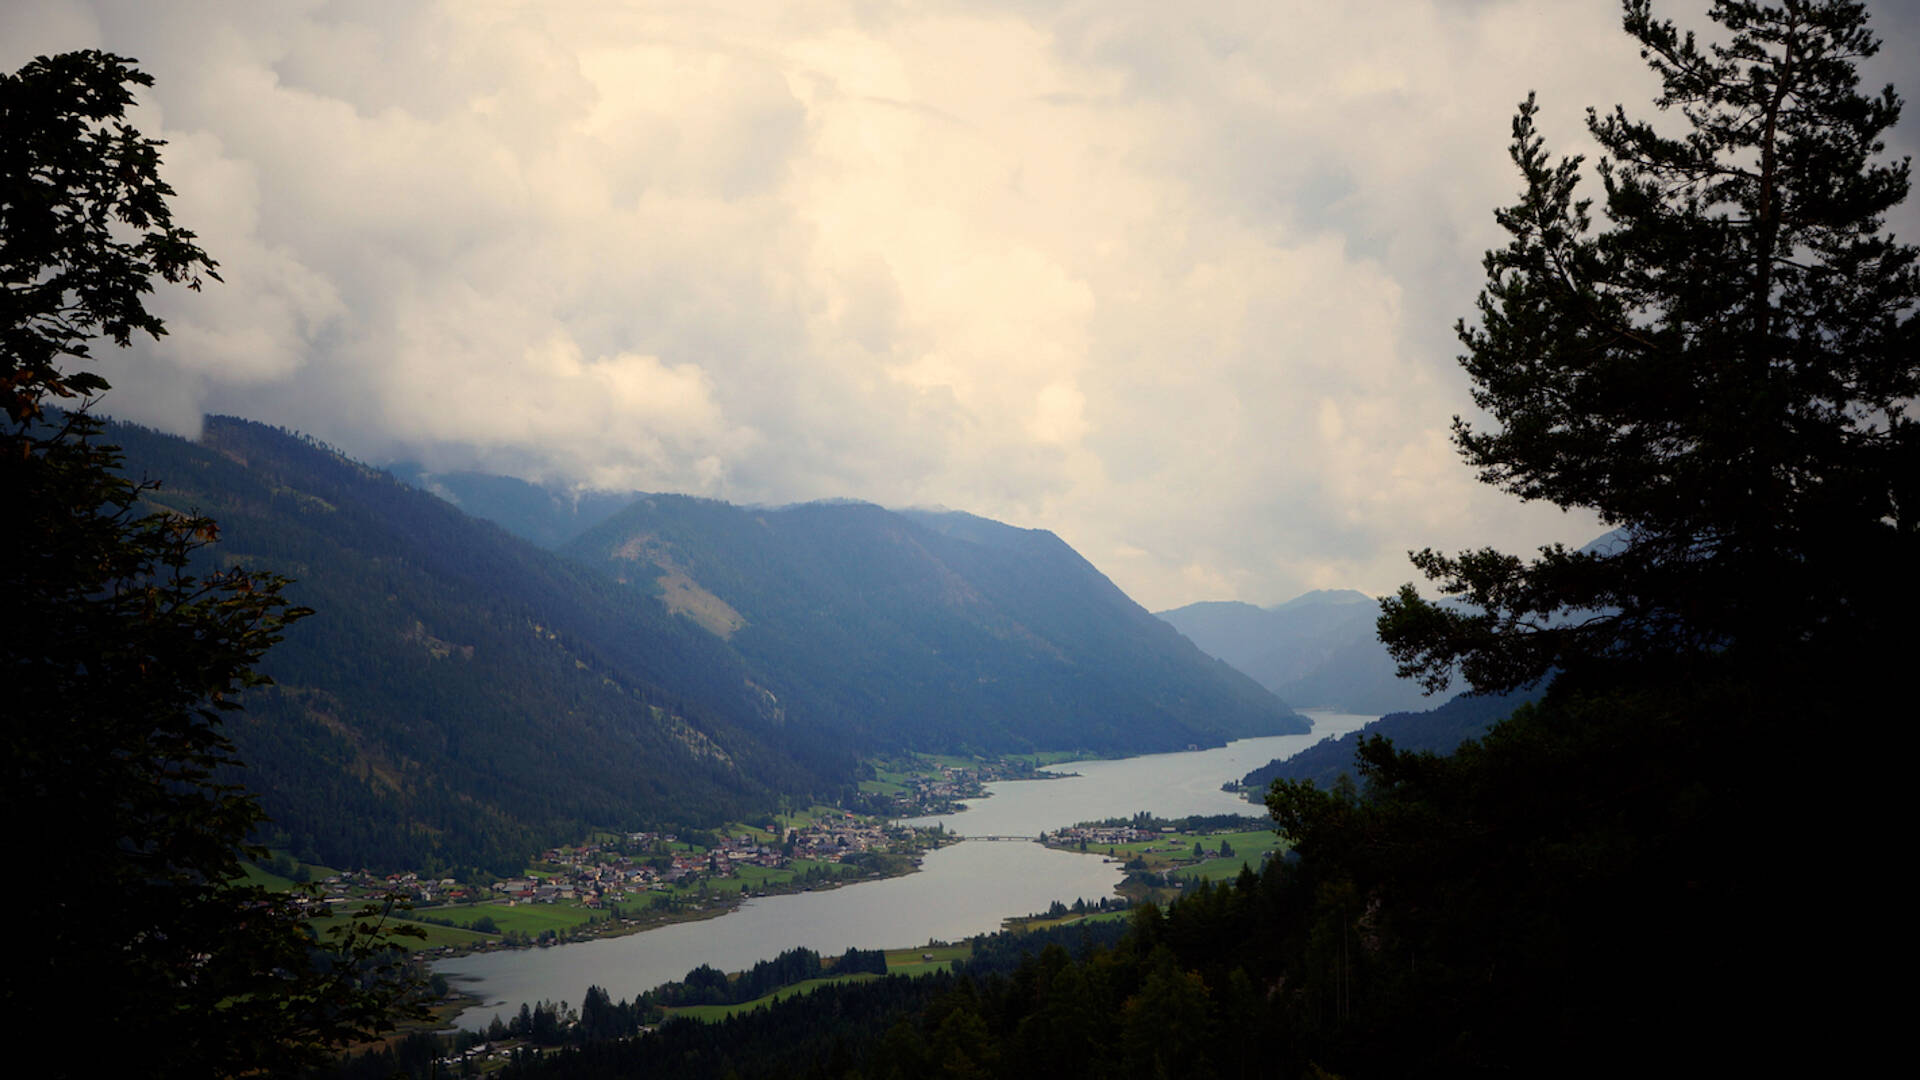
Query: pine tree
{"type": "Point", "coordinates": [1724, 373]}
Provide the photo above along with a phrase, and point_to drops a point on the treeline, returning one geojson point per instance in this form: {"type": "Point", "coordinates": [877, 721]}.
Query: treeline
{"type": "Point", "coordinates": [543, 1026]}
{"type": "Point", "coordinates": [706, 985]}
{"type": "Point", "coordinates": [1192, 823]}
{"type": "Point", "coordinates": [1061, 909]}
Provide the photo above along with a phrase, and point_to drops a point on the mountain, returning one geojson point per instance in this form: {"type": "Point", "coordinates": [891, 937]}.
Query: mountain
{"type": "Point", "coordinates": [1317, 650]}
{"type": "Point", "coordinates": [546, 515]}
{"type": "Point", "coordinates": [928, 630]}
{"type": "Point", "coordinates": [461, 698]}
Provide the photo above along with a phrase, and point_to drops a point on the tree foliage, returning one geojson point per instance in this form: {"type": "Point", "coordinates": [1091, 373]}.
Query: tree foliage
{"type": "Point", "coordinates": [123, 655]}
{"type": "Point", "coordinates": [1724, 373]}
{"type": "Point", "coordinates": [87, 224]}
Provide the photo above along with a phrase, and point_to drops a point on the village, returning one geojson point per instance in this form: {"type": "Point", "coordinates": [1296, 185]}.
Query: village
{"type": "Point", "coordinates": [619, 883]}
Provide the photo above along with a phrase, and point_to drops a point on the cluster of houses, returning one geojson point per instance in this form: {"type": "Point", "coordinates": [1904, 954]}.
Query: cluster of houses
{"type": "Point", "coordinates": [939, 789]}
{"type": "Point", "coordinates": [356, 886]}
{"type": "Point", "coordinates": [1104, 835]}
{"type": "Point", "coordinates": [595, 874]}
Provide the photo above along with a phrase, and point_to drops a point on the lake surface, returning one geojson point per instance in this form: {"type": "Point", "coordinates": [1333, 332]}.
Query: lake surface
{"type": "Point", "coordinates": [961, 890]}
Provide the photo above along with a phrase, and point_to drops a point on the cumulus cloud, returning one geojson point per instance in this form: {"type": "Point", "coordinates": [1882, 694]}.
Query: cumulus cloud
{"type": "Point", "coordinates": [1176, 282]}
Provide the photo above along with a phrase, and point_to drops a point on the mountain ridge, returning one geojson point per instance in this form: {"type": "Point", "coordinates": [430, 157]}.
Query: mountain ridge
{"type": "Point", "coordinates": [928, 618]}
{"type": "Point", "coordinates": [463, 697]}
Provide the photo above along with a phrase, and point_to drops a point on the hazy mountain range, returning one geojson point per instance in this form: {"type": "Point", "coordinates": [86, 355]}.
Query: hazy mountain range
{"type": "Point", "coordinates": [1318, 650]}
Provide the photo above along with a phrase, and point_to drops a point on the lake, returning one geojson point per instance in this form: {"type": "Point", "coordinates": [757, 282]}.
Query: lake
{"type": "Point", "coordinates": [961, 890]}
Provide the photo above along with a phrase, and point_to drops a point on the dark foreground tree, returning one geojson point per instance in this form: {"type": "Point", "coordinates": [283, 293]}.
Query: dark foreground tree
{"type": "Point", "coordinates": [135, 952]}
{"type": "Point", "coordinates": [1724, 374]}
{"type": "Point", "coordinates": [1628, 876]}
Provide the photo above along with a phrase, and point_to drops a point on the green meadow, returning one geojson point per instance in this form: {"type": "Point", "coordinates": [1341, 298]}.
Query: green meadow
{"type": "Point", "coordinates": [919, 961]}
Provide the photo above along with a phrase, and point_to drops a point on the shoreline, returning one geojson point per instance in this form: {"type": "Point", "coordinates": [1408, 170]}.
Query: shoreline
{"type": "Point", "coordinates": [711, 908]}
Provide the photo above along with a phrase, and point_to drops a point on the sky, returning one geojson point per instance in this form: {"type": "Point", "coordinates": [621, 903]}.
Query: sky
{"type": "Point", "coordinates": [1175, 281]}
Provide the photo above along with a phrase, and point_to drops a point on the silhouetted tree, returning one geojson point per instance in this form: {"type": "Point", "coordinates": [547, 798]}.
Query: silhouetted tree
{"type": "Point", "coordinates": [1724, 373]}
{"type": "Point", "coordinates": [141, 955]}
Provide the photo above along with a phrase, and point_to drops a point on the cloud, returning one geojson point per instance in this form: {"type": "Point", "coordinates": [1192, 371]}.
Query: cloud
{"type": "Point", "coordinates": [1176, 283]}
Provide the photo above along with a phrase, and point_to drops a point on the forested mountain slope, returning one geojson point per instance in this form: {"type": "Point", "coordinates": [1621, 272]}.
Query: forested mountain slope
{"type": "Point", "coordinates": [1439, 730]}
{"type": "Point", "coordinates": [547, 515]}
{"type": "Point", "coordinates": [928, 630]}
{"type": "Point", "coordinates": [461, 696]}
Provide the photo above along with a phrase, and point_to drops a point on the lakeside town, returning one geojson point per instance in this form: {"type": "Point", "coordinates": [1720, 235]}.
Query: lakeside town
{"type": "Point", "coordinates": [622, 883]}
{"type": "Point", "coordinates": [619, 883]}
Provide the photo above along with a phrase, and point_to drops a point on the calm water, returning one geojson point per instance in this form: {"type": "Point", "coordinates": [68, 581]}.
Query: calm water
{"type": "Point", "coordinates": [961, 890]}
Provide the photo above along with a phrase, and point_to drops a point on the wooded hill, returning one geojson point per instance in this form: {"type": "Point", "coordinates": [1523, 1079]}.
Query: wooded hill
{"type": "Point", "coordinates": [461, 697]}
{"type": "Point", "coordinates": [1439, 730]}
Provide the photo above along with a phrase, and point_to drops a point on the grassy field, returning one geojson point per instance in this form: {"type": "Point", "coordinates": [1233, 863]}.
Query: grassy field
{"type": "Point", "coordinates": [254, 875]}
{"type": "Point", "coordinates": [800, 819]}
{"type": "Point", "coordinates": [899, 962]}
{"type": "Point", "coordinates": [261, 876]}
{"type": "Point", "coordinates": [711, 1013]}
{"type": "Point", "coordinates": [933, 762]}
{"type": "Point", "coordinates": [1171, 853]}
{"type": "Point", "coordinates": [1163, 852]}
{"type": "Point", "coordinates": [1248, 847]}
{"type": "Point", "coordinates": [437, 936]}
{"type": "Point", "coordinates": [529, 919]}
{"type": "Point", "coordinates": [1053, 757]}
{"type": "Point", "coordinates": [928, 766]}
{"type": "Point", "coordinates": [1219, 869]}
{"type": "Point", "coordinates": [916, 962]}
{"type": "Point", "coordinates": [760, 835]}
{"type": "Point", "coordinates": [1048, 922]}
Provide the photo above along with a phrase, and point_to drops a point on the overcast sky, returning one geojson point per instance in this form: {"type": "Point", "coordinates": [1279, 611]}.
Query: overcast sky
{"type": "Point", "coordinates": [1176, 281]}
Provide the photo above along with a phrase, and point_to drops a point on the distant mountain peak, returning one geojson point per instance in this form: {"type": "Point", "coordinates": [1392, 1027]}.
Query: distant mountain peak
{"type": "Point", "coordinates": [1324, 596]}
{"type": "Point", "coordinates": [1320, 648]}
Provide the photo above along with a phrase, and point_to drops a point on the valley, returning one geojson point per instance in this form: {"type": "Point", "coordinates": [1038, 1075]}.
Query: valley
{"type": "Point", "coordinates": [462, 699]}
{"type": "Point", "coordinates": [625, 649]}
{"type": "Point", "coordinates": [961, 890]}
